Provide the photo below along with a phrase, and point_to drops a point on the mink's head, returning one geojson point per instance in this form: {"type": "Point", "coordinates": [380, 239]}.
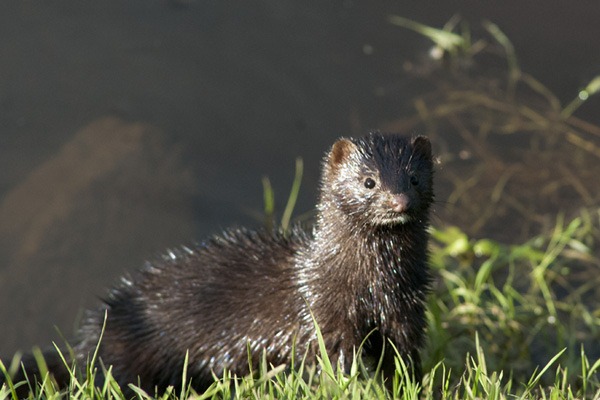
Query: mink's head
{"type": "Point", "coordinates": [380, 179]}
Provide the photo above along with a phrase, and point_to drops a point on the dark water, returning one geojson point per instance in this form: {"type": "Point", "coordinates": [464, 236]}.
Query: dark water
{"type": "Point", "coordinates": [129, 127]}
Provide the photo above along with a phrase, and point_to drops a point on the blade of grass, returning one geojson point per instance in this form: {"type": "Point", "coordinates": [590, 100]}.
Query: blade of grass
{"type": "Point", "coordinates": [293, 197]}
{"type": "Point", "coordinates": [446, 40]}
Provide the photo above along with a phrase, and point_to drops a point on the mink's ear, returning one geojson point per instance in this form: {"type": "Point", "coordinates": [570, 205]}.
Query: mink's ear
{"type": "Point", "coordinates": [339, 152]}
{"type": "Point", "coordinates": [422, 145]}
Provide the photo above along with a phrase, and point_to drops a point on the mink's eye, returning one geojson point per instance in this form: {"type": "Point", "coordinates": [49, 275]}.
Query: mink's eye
{"type": "Point", "coordinates": [369, 183]}
{"type": "Point", "coordinates": [414, 180]}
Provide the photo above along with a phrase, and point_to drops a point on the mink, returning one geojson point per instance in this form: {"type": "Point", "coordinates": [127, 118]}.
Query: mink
{"type": "Point", "coordinates": [361, 273]}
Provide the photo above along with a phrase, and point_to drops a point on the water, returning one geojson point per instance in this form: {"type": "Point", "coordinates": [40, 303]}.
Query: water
{"type": "Point", "coordinates": [130, 127]}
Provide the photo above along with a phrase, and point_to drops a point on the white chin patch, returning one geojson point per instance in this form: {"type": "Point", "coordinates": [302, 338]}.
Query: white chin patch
{"type": "Point", "coordinates": [397, 219]}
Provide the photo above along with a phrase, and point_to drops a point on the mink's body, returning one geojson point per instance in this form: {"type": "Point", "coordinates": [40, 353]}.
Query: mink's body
{"type": "Point", "coordinates": [363, 270]}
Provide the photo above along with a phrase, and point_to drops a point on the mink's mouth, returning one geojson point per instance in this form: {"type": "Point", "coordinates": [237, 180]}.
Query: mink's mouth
{"type": "Point", "coordinates": [392, 218]}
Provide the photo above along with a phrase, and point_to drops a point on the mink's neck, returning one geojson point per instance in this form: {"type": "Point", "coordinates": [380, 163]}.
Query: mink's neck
{"type": "Point", "coordinates": [371, 274]}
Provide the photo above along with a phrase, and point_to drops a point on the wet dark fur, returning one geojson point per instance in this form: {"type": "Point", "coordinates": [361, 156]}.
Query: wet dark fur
{"type": "Point", "coordinates": [362, 270]}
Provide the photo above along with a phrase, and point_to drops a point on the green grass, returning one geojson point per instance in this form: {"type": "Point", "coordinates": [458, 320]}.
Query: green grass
{"type": "Point", "coordinates": [519, 312]}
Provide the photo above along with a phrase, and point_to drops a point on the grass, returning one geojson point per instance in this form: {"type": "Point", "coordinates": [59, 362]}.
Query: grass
{"type": "Point", "coordinates": [506, 321]}
{"type": "Point", "coordinates": [515, 310]}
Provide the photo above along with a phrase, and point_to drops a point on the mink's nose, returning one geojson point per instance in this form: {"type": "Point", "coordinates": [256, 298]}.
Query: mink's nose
{"type": "Point", "coordinates": [399, 203]}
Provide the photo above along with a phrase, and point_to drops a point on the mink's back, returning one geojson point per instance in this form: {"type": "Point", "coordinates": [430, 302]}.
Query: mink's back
{"type": "Point", "coordinates": [235, 290]}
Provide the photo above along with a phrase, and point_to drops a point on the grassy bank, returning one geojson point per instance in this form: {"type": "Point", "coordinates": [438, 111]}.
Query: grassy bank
{"type": "Point", "coordinates": [504, 322]}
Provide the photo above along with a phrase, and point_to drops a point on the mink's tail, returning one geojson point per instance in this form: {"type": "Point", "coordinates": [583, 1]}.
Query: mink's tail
{"type": "Point", "coordinates": [32, 371]}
